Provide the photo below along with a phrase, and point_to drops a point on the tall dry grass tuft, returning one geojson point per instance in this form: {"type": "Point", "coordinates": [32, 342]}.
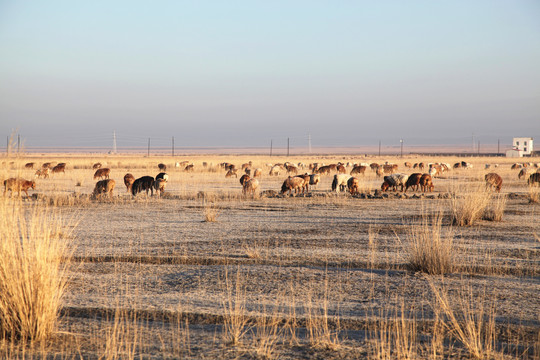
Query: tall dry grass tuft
{"type": "Point", "coordinates": [495, 210]}
{"type": "Point", "coordinates": [430, 249]}
{"type": "Point", "coordinates": [533, 194]}
{"type": "Point", "coordinates": [33, 262]}
{"type": "Point", "coordinates": [469, 205]}
{"type": "Point", "coordinates": [123, 338]}
{"type": "Point", "coordinates": [234, 308]}
{"type": "Point", "coordinates": [210, 211]}
{"type": "Point", "coordinates": [466, 319]}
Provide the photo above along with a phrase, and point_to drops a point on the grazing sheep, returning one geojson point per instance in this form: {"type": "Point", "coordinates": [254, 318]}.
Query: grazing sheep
{"type": "Point", "coordinates": [59, 168]}
{"type": "Point", "coordinates": [292, 183]}
{"type": "Point", "coordinates": [534, 179]}
{"type": "Point", "coordinates": [340, 182]}
{"type": "Point", "coordinates": [162, 167]}
{"type": "Point", "coordinates": [159, 185]}
{"type": "Point", "coordinates": [306, 178]}
{"type": "Point", "coordinates": [341, 169]}
{"type": "Point", "coordinates": [324, 170]}
{"type": "Point", "coordinates": [275, 170]}
{"type": "Point", "coordinates": [426, 183]}
{"type": "Point", "coordinates": [189, 168]}
{"type": "Point", "coordinates": [128, 181]}
{"type": "Point", "coordinates": [522, 173]}
{"type": "Point", "coordinates": [163, 176]}
{"type": "Point", "coordinates": [413, 182]}
{"type": "Point", "coordinates": [257, 173]}
{"type": "Point", "coordinates": [354, 185]}
{"type": "Point", "coordinates": [29, 165]}
{"type": "Point", "coordinates": [314, 179]}
{"type": "Point", "coordinates": [144, 183]}
{"type": "Point", "coordinates": [96, 166]}
{"type": "Point", "coordinates": [359, 169]}
{"type": "Point", "coordinates": [251, 187]}
{"type": "Point", "coordinates": [104, 187]}
{"type": "Point", "coordinates": [407, 164]}
{"type": "Point", "coordinates": [291, 169]}
{"type": "Point", "coordinates": [18, 185]}
{"type": "Point", "coordinates": [395, 180]}
{"type": "Point", "coordinates": [42, 172]}
{"type": "Point", "coordinates": [379, 171]}
{"type": "Point", "coordinates": [230, 173]}
{"type": "Point", "coordinates": [244, 178]}
{"type": "Point", "coordinates": [494, 180]}
{"type": "Point", "coordinates": [374, 166]}
{"type": "Point", "coordinates": [102, 173]}
{"type": "Point", "coordinates": [46, 165]}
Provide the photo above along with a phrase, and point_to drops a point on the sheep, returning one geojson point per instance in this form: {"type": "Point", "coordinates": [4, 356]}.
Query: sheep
{"type": "Point", "coordinates": [29, 165]}
{"type": "Point", "coordinates": [394, 180]}
{"type": "Point", "coordinates": [354, 185]}
{"type": "Point", "coordinates": [426, 183]}
{"type": "Point", "coordinates": [314, 179]}
{"type": "Point", "coordinates": [306, 178]}
{"type": "Point", "coordinates": [359, 169]}
{"type": "Point", "coordinates": [407, 164]}
{"type": "Point", "coordinates": [341, 169]}
{"type": "Point", "coordinates": [42, 172]}
{"type": "Point", "coordinates": [128, 181]}
{"type": "Point", "coordinates": [340, 182]}
{"type": "Point", "coordinates": [291, 169]}
{"type": "Point", "coordinates": [160, 182]}
{"type": "Point", "coordinates": [275, 170]}
{"type": "Point", "coordinates": [257, 173]}
{"type": "Point", "coordinates": [494, 180]}
{"type": "Point", "coordinates": [104, 187]}
{"type": "Point", "coordinates": [162, 167]}
{"type": "Point", "coordinates": [413, 181]}
{"type": "Point", "coordinates": [102, 173]}
{"type": "Point", "coordinates": [189, 168]}
{"type": "Point", "coordinates": [251, 186]}
{"type": "Point", "coordinates": [96, 166]}
{"type": "Point", "coordinates": [534, 179]}
{"type": "Point", "coordinates": [230, 173]}
{"type": "Point", "coordinates": [244, 178]}
{"type": "Point", "coordinates": [59, 168]}
{"type": "Point", "coordinates": [18, 185]}
{"type": "Point", "coordinates": [144, 183]}
{"type": "Point", "coordinates": [292, 183]}
{"type": "Point", "coordinates": [522, 173]}
{"type": "Point", "coordinates": [324, 170]}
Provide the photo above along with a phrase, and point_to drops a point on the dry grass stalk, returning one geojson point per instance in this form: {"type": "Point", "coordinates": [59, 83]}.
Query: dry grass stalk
{"type": "Point", "coordinates": [467, 320]}
{"type": "Point", "coordinates": [430, 249]}
{"type": "Point", "coordinates": [468, 206]}
{"type": "Point", "coordinates": [211, 211]}
{"type": "Point", "coordinates": [495, 210]}
{"type": "Point", "coordinates": [33, 263]}
{"type": "Point", "coordinates": [234, 308]}
{"type": "Point", "coordinates": [394, 336]}
{"type": "Point", "coordinates": [533, 194]}
{"type": "Point", "coordinates": [123, 337]}
{"type": "Point", "coordinates": [267, 333]}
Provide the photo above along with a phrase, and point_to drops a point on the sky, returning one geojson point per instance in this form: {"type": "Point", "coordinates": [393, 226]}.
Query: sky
{"type": "Point", "coordinates": [244, 73]}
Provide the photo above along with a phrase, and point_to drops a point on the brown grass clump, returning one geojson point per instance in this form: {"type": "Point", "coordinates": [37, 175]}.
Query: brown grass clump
{"type": "Point", "coordinates": [533, 194]}
{"type": "Point", "coordinates": [468, 206]}
{"type": "Point", "coordinates": [430, 249]}
{"type": "Point", "coordinates": [234, 308]}
{"type": "Point", "coordinates": [467, 320]}
{"type": "Point", "coordinates": [495, 210]}
{"type": "Point", "coordinates": [210, 211]}
{"type": "Point", "coordinates": [32, 271]}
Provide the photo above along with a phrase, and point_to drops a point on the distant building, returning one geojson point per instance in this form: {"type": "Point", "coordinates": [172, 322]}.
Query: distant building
{"type": "Point", "coordinates": [514, 153]}
{"type": "Point", "coordinates": [524, 144]}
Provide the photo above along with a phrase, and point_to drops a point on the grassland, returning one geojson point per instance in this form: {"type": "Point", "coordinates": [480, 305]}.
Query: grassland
{"type": "Point", "coordinates": [204, 272]}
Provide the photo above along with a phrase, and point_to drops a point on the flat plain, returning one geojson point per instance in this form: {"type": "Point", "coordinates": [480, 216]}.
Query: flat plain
{"type": "Point", "coordinates": [204, 271]}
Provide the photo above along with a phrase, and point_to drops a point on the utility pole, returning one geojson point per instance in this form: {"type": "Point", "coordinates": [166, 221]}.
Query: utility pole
{"type": "Point", "coordinates": [309, 143]}
{"type": "Point", "coordinates": [114, 142]}
{"type": "Point", "coordinates": [401, 142]}
{"type": "Point", "coordinates": [379, 147]}
{"type": "Point", "coordinates": [173, 146]}
{"type": "Point", "coordinates": [148, 147]}
{"type": "Point", "coordinates": [498, 146]}
{"type": "Point", "coordinates": [271, 146]}
{"type": "Point", "coordinates": [288, 147]}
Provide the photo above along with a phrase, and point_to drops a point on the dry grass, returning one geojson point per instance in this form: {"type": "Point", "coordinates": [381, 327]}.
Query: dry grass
{"type": "Point", "coordinates": [467, 320]}
{"type": "Point", "coordinates": [210, 211]}
{"type": "Point", "coordinates": [469, 205]}
{"type": "Point", "coordinates": [533, 194]}
{"type": "Point", "coordinates": [495, 209]}
{"type": "Point", "coordinates": [33, 262]}
{"type": "Point", "coordinates": [234, 309]}
{"type": "Point", "coordinates": [430, 249]}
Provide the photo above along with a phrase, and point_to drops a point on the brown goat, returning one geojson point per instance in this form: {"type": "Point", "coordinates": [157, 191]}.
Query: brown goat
{"type": "Point", "coordinates": [96, 166]}
{"type": "Point", "coordinates": [413, 182]}
{"type": "Point", "coordinates": [426, 183]}
{"type": "Point", "coordinates": [129, 179]}
{"type": "Point", "coordinates": [18, 185]}
{"type": "Point", "coordinates": [102, 173]}
{"type": "Point", "coordinates": [59, 168]}
{"type": "Point", "coordinates": [494, 180]}
{"type": "Point", "coordinates": [104, 187]}
{"type": "Point", "coordinates": [360, 170]}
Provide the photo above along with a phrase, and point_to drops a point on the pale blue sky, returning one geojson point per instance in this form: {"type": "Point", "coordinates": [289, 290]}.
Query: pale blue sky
{"type": "Point", "coordinates": [239, 73]}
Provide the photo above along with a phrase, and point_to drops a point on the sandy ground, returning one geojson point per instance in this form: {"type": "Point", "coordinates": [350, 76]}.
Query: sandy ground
{"type": "Point", "coordinates": [284, 255]}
